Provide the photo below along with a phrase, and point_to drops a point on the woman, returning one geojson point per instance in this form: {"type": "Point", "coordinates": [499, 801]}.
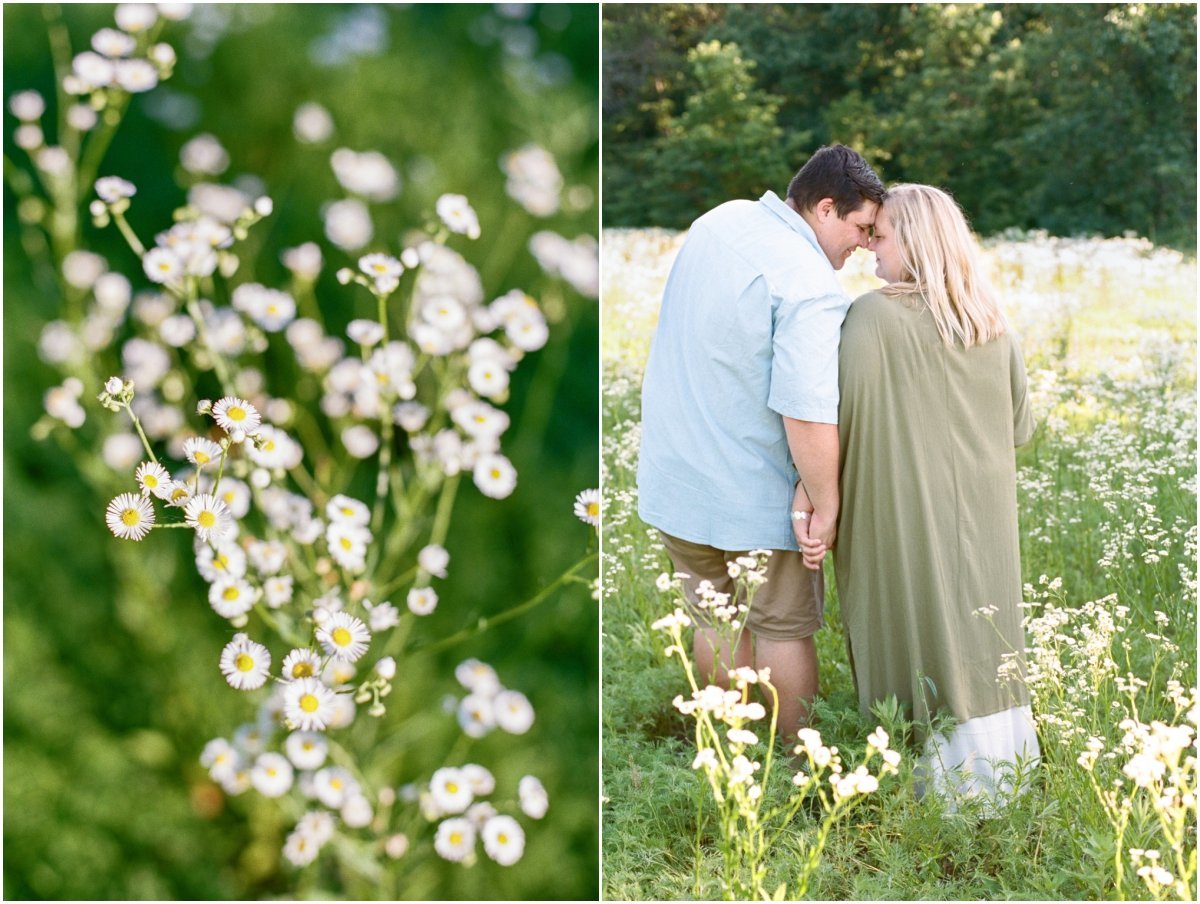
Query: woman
{"type": "Point", "coordinates": [933, 400]}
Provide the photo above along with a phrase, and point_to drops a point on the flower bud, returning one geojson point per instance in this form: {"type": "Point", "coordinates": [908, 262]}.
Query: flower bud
{"type": "Point", "coordinates": [386, 668]}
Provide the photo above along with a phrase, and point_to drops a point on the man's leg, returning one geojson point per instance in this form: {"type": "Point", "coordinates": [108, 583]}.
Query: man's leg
{"type": "Point", "coordinates": [712, 655]}
{"type": "Point", "coordinates": [793, 665]}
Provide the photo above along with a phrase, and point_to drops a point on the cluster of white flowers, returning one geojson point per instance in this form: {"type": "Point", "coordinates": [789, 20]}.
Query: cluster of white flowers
{"type": "Point", "coordinates": [534, 181]}
{"type": "Point", "coordinates": [302, 566]}
{"type": "Point", "coordinates": [454, 799]}
{"type": "Point", "coordinates": [489, 704]}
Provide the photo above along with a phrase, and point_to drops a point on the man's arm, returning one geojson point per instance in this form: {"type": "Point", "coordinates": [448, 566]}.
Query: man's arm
{"type": "Point", "coordinates": [815, 451]}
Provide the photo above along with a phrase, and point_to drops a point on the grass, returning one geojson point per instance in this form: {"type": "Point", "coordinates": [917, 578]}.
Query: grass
{"type": "Point", "coordinates": [1107, 504]}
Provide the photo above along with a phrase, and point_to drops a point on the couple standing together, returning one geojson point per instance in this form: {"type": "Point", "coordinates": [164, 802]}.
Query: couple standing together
{"type": "Point", "coordinates": [777, 415]}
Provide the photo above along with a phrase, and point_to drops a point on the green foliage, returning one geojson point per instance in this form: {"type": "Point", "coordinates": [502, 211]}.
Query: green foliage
{"type": "Point", "coordinates": [1075, 118]}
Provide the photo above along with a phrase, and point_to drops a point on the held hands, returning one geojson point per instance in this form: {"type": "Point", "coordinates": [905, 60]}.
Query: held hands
{"type": "Point", "coordinates": [815, 533]}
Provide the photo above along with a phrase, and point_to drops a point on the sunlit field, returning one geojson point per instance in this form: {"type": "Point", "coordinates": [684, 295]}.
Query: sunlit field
{"type": "Point", "coordinates": [1107, 502]}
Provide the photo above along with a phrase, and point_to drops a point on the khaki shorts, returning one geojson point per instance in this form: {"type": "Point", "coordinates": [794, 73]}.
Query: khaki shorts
{"type": "Point", "coordinates": [789, 606]}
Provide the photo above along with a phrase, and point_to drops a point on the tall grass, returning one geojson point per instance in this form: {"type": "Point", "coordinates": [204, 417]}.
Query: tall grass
{"type": "Point", "coordinates": [1107, 501]}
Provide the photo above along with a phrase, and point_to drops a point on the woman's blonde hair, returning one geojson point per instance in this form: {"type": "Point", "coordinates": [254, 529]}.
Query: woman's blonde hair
{"type": "Point", "coordinates": [940, 263]}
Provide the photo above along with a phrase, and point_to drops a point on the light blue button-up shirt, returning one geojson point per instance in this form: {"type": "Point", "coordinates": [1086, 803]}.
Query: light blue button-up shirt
{"type": "Point", "coordinates": [748, 331]}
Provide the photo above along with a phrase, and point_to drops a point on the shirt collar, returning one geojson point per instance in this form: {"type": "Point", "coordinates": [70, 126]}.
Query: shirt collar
{"type": "Point", "coordinates": [790, 218]}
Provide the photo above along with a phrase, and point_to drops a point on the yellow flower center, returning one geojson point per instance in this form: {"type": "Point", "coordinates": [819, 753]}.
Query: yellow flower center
{"type": "Point", "coordinates": [231, 593]}
{"type": "Point", "coordinates": [302, 670]}
{"type": "Point", "coordinates": [335, 784]}
{"type": "Point", "coordinates": [456, 838]}
{"type": "Point", "coordinates": [309, 703]}
{"type": "Point", "coordinates": [206, 519]}
{"type": "Point", "coordinates": [452, 787]}
{"type": "Point", "coordinates": [150, 481]}
{"type": "Point", "coordinates": [346, 544]}
{"type": "Point", "coordinates": [341, 637]}
{"type": "Point", "coordinates": [593, 509]}
{"type": "Point", "coordinates": [201, 458]}
{"type": "Point", "coordinates": [131, 517]}
{"type": "Point", "coordinates": [244, 662]}
{"type": "Point", "coordinates": [502, 838]}
{"type": "Point", "coordinates": [495, 473]}
{"type": "Point", "coordinates": [235, 413]}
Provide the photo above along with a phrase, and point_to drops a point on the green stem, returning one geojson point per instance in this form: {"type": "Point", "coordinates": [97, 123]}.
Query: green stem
{"type": "Point", "coordinates": [485, 623]}
{"type": "Point", "coordinates": [141, 433]}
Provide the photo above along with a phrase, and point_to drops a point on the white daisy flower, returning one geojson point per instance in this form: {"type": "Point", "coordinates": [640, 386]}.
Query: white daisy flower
{"type": "Point", "coordinates": [268, 556]}
{"type": "Point", "coordinates": [381, 267]}
{"type": "Point", "coordinates": [451, 790]}
{"type": "Point", "coordinates": [455, 839]}
{"type": "Point", "coordinates": [422, 600]}
{"type": "Point", "coordinates": [112, 43]}
{"type": "Point", "coordinates": [480, 420]}
{"type": "Point", "coordinates": [308, 704]}
{"type": "Point", "coordinates": [587, 507]}
{"type": "Point", "coordinates": [476, 715]}
{"type": "Point", "coordinates": [232, 597]}
{"type": "Point", "coordinates": [318, 825]}
{"type": "Point", "coordinates": [534, 800]}
{"type": "Point", "coordinates": [236, 496]}
{"type": "Point", "coordinates": [360, 441]}
{"type": "Point", "coordinates": [162, 265]}
{"type": "Point", "coordinates": [306, 749]}
{"type": "Point", "coordinates": [300, 849]}
{"type": "Point", "coordinates": [514, 712]}
{"type": "Point", "coordinates": [367, 333]}
{"type": "Point", "coordinates": [382, 616]}
{"type": "Point", "coordinates": [312, 123]}
{"type": "Point", "coordinates": [136, 76]}
{"type": "Point", "coordinates": [410, 416]}
{"type": "Point", "coordinates": [495, 476]}
{"type": "Point", "coordinates": [348, 511]}
{"type": "Point", "coordinates": [223, 562]}
{"type": "Point", "coordinates": [272, 775]}
{"type": "Point", "coordinates": [111, 189]}
{"type": "Point", "coordinates": [177, 494]}
{"type": "Point", "coordinates": [209, 516]}
{"type": "Point", "coordinates": [478, 676]}
{"type": "Point", "coordinates": [481, 780]}
{"type": "Point", "coordinates": [130, 516]}
{"type": "Point", "coordinates": [249, 739]}
{"type": "Point", "coordinates": [135, 17]}
{"type": "Point", "coordinates": [338, 672]}
{"type": "Point", "coordinates": [333, 786]}
{"type": "Point", "coordinates": [344, 636]}
{"type": "Point", "coordinates": [201, 451]}
{"type": "Point", "coordinates": [27, 106]}
{"type": "Point", "coordinates": [232, 413]}
{"type": "Point", "coordinates": [456, 212]}
{"type": "Point", "coordinates": [245, 664]}
{"type": "Point", "coordinates": [278, 591]}
{"type": "Point", "coordinates": [488, 379]}
{"type": "Point", "coordinates": [344, 711]}
{"type": "Point", "coordinates": [433, 559]}
{"type": "Point", "coordinates": [479, 813]}
{"type": "Point", "coordinates": [356, 812]}
{"type": "Point", "coordinates": [93, 70]}
{"type": "Point", "coordinates": [220, 758]}
{"type": "Point", "coordinates": [301, 663]}
{"type": "Point", "coordinates": [348, 545]}
{"type": "Point", "coordinates": [503, 840]}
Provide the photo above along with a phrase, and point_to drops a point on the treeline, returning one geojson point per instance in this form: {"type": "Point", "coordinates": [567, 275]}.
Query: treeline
{"type": "Point", "coordinates": [1074, 118]}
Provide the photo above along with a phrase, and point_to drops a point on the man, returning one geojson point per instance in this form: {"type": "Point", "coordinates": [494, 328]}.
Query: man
{"type": "Point", "coordinates": [741, 393]}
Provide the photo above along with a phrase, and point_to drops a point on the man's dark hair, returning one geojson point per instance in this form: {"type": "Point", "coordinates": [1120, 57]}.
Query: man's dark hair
{"type": "Point", "coordinates": [835, 171]}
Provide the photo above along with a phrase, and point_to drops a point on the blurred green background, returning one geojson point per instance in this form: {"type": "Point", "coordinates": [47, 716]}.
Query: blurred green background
{"type": "Point", "coordinates": [110, 649]}
{"type": "Point", "coordinates": [1075, 118]}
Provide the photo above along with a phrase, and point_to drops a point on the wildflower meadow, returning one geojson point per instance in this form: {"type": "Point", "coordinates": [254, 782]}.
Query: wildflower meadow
{"type": "Point", "coordinates": [301, 545]}
{"type": "Point", "coordinates": [698, 801]}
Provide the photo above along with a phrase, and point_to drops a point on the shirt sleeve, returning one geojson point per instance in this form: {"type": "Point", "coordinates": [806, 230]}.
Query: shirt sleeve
{"type": "Point", "coordinates": [804, 365]}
